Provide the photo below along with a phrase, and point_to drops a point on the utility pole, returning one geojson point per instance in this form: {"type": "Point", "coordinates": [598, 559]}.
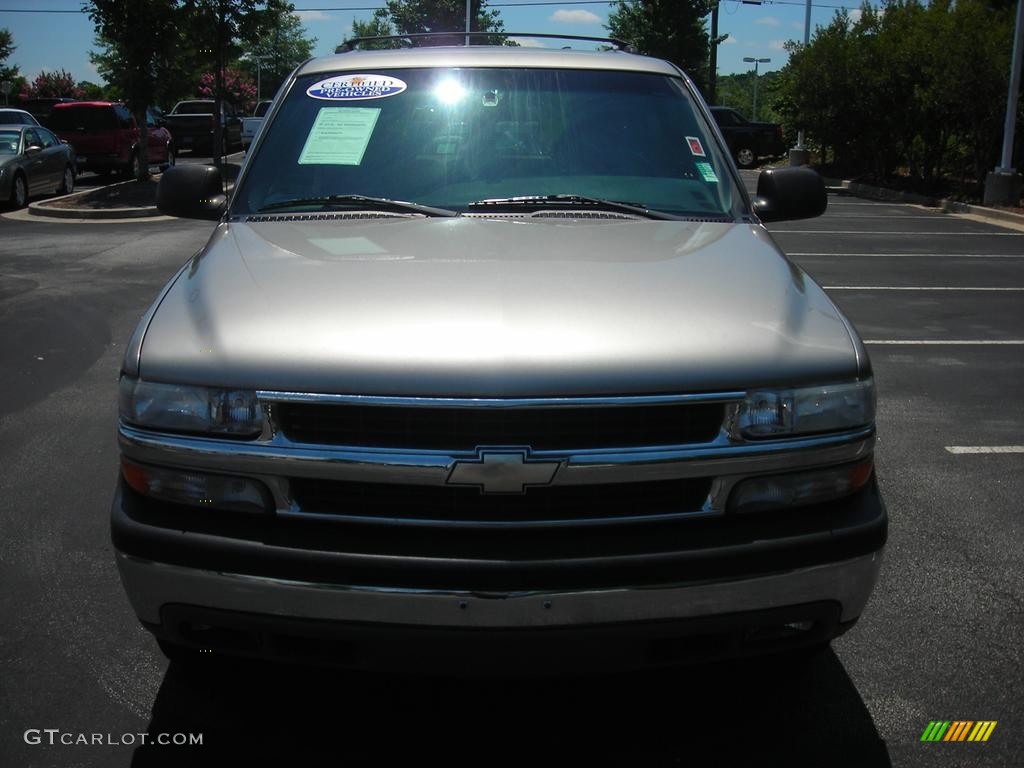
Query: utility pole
{"type": "Point", "coordinates": [713, 73]}
{"type": "Point", "coordinates": [1003, 185]}
{"type": "Point", "coordinates": [467, 22]}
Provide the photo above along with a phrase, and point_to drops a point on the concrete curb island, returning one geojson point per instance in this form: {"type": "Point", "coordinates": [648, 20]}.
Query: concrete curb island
{"type": "Point", "coordinates": [869, 192]}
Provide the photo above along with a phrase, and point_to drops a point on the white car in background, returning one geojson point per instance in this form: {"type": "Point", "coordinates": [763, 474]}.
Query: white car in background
{"type": "Point", "coordinates": [250, 125]}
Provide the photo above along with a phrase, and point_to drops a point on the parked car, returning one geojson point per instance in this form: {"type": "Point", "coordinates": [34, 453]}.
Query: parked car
{"type": "Point", "coordinates": [33, 161]}
{"type": "Point", "coordinates": [106, 137]}
{"type": "Point", "coordinates": [40, 108]}
{"type": "Point", "coordinates": [250, 125]}
{"type": "Point", "coordinates": [489, 356]}
{"type": "Point", "coordinates": [749, 142]}
{"type": "Point", "coordinates": [192, 123]}
{"type": "Point", "coordinates": [17, 117]}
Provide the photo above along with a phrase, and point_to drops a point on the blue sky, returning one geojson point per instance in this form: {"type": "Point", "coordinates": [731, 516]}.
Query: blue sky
{"type": "Point", "coordinates": [62, 40]}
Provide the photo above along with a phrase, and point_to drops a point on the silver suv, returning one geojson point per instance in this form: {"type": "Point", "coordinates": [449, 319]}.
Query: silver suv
{"type": "Point", "coordinates": [489, 358]}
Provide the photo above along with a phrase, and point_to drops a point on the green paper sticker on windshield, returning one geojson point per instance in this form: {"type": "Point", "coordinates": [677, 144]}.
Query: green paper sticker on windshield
{"type": "Point", "coordinates": [339, 136]}
{"type": "Point", "coordinates": [707, 172]}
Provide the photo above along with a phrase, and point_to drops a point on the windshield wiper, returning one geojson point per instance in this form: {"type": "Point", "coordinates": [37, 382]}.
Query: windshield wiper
{"type": "Point", "coordinates": [558, 201]}
{"type": "Point", "coordinates": [363, 202]}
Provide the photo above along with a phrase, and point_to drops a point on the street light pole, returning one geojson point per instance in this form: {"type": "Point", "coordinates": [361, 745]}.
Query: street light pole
{"type": "Point", "coordinates": [1003, 185]}
{"type": "Point", "coordinates": [755, 62]}
{"type": "Point", "coordinates": [799, 155]}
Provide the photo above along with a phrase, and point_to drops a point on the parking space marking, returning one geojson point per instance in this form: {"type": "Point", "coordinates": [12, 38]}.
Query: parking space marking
{"type": "Point", "coordinates": [963, 449]}
{"type": "Point", "coordinates": [918, 255]}
{"type": "Point", "coordinates": [876, 232]}
{"type": "Point", "coordinates": [951, 342]}
{"type": "Point", "coordinates": [896, 216]}
{"type": "Point", "coordinates": [912, 288]}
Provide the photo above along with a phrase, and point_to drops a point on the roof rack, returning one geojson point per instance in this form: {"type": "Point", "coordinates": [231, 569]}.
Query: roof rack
{"type": "Point", "coordinates": [413, 39]}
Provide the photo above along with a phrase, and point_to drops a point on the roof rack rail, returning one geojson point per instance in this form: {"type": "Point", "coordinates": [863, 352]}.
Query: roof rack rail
{"type": "Point", "coordinates": [412, 39]}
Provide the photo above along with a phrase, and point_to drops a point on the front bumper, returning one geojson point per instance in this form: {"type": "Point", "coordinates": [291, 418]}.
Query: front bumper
{"type": "Point", "coordinates": [243, 596]}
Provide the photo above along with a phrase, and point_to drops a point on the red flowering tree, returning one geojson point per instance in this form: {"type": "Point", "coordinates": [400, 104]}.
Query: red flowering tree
{"type": "Point", "coordinates": [239, 88]}
{"type": "Point", "coordinates": [52, 85]}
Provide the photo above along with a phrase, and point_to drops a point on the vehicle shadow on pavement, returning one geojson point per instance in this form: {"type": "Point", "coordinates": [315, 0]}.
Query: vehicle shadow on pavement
{"type": "Point", "coordinates": [750, 713]}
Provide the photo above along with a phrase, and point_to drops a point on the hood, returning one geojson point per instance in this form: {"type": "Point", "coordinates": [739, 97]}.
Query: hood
{"type": "Point", "coordinates": [465, 307]}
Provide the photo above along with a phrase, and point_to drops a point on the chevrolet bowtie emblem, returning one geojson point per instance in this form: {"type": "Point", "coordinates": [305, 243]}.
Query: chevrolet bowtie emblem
{"type": "Point", "coordinates": [503, 471]}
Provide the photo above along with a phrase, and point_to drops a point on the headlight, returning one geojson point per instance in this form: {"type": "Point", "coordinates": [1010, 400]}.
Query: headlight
{"type": "Point", "coordinates": [181, 408]}
{"type": "Point", "coordinates": [809, 410]}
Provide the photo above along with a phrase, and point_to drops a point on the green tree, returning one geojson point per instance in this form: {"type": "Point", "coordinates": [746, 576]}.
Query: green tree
{"type": "Point", "coordinates": [8, 73]}
{"type": "Point", "coordinates": [141, 41]}
{"type": "Point", "coordinates": [918, 87]}
{"type": "Point", "coordinates": [89, 91]}
{"type": "Point", "coordinates": [669, 29]}
{"type": "Point", "coordinates": [280, 47]}
{"type": "Point", "coordinates": [222, 30]}
{"type": "Point", "coordinates": [407, 17]}
{"type": "Point", "coordinates": [378, 26]}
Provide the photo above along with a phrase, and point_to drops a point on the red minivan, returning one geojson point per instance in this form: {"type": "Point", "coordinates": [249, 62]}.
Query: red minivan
{"type": "Point", "coordinates": [105, 137]}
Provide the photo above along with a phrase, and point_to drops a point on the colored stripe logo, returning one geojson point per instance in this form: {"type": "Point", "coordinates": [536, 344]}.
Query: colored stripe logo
{"type": "Point", "coordinates": [958, 730]}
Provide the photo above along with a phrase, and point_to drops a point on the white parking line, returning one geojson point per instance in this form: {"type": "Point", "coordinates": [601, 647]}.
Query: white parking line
{"type": "Point", "coordinates": [912, 288]}
{"type": "Point", "coordinates": [985, 448]}
{"type": "Point", "coordinates": [914, 255]}
{"type": "Point", "coordinates": [953, 342]}
{"type": "Point", "coordinates": [915, 234]}
{"type": "Point", "coordinates": [828, 216]}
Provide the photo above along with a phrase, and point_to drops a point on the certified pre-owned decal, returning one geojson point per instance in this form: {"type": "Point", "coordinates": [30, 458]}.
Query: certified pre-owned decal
{"type": "Point", "coordinates": [356, 87]}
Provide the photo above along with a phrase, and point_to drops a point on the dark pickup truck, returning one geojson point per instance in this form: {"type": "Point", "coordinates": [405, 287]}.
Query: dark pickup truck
{"type": "Point", "coordinates": [192, 123]}
{"type": "Point", "coordinates": [748, 141]}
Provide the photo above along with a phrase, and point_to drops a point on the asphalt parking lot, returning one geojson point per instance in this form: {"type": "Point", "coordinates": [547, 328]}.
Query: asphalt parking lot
{"type": "Point", "coordinates": [939, 299]}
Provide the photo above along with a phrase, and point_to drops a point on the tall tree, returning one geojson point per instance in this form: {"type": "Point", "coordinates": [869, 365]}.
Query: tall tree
{"type": "Point", "coordinates": [280, 47]}
{"type": "Point", "coordinates": [142, 37]}
{"type": "Point", "coordinates": [224, 28]}
{"type": "Point", "coordinates": [7, 47]}
{"type": "Point", "coordinates": [669, 29]}
{"type": "Point", "coordinates": [407, 17]}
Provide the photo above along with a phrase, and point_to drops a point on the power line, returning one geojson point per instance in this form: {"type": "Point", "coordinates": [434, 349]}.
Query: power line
{"type": "Point", "coordinates": [530, 3]}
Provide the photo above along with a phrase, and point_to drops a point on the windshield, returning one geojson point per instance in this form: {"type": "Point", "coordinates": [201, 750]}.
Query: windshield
{"type": "Point", "coordinates": [194, 108]}
{"type": "Point", "coordinates": [9, 142]}
{"type": "Point", "coordinates": [451, 137]}
{"type": "Point", "coordinates": [83, 119]}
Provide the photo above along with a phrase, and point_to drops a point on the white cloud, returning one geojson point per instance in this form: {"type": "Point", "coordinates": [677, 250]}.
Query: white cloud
{"type": "Point", "coordinates": [313, 16]}
{"type": "Point", "coordinates": [528, 42]}
{"type": "Point", "coordinates": [855, 15]}
{"type": "Point", "coordinates": [730, 40]}
{"type": "Point", "coordinates": [777, 45]}
{"type": "Point", "coordinates": [575, 17]}
{"type": "Point", "coordinates": [797, 25]}
{"type": "Point", "coordinates": [768, 21]}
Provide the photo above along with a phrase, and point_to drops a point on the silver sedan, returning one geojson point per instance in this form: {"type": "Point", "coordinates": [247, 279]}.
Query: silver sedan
{"type": "Point", "coordinates": [33, 161]}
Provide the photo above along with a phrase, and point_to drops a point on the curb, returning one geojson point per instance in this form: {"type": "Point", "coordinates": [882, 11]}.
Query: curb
{"type": "Point", "coordinates": [892, 195]}
{"type": "Point", "coordinates": [44, 208]}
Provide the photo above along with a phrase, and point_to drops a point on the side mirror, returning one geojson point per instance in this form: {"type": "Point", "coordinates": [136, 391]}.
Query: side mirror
{"type": "Point", "coordinates": [192, 192]}
{"type": "Point", "coordinates": [789, 193]}
{"type": "Point", "coordinates": [161, 123]}
{"type": "Point", "coordinates": [32, 149]}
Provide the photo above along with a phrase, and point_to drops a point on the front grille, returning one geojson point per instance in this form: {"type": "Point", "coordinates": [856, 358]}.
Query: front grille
{"type": "Point", "coordinates": [464, 429]}
{"type": "Point", "coordinates": [440, 505]}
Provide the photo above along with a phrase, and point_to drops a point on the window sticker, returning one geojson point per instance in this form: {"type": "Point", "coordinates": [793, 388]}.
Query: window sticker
{"type": "Point", "coordinates": [356, 87]}
{"type": "Point", "coordinates": [339, 136]}
{"type": "Point", "coordinates": [696, 148]}
{"type": "Point", "coordinates": [707, 172]}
